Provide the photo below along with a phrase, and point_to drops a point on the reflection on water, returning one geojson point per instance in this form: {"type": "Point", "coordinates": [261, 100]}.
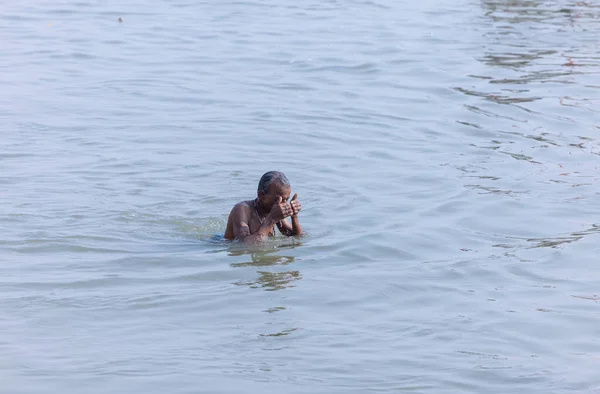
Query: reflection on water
{"type": "Point", "coordinates": [551, 242]}
{"type": "Point", "coordinates": [275, 309]}
{"type": "Point", "coordinates": [269, 281]}
{"type": "Point", "coordinates": [515, 60]}
{"type": "Point", "coordinates": [556, 241]}
{"type": "Point", "coordinates": [265, 259]}
{"type": "Point", "coordinates": [281, 333]}
{"type": "Point", "coordinates": [494, 190]}
{"type": "Point", "coordinates": [519, 11]}
{"type": "Point", "coordinates": [544, 82]}
{"type": "Point", "coordinates": [516, 45]}
{"type": "Point", "coordinates": [497, 97]}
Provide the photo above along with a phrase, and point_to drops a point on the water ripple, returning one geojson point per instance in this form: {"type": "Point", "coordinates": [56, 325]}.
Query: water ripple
{"type": "Point", "coordinates": [446, 156]}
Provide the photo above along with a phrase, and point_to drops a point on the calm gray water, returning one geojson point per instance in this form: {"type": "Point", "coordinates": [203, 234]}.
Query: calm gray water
{"type": "Point", "coordinates": [446, 154]}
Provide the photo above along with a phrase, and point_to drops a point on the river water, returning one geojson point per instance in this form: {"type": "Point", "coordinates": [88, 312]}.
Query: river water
{"type": "Point", "coordinates": [446, 155]}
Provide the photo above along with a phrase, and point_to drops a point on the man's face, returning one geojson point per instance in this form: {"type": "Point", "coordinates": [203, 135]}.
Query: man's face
{"type": "Point", "coordinates": [275, 191]}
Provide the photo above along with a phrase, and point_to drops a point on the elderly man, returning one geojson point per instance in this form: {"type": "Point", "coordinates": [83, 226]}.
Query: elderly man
{"type": "Point", "coordinates": [253, 221]}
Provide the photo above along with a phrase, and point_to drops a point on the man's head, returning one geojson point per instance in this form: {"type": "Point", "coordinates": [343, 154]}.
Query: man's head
{"type": "Point", "coordinates": [272, 185]}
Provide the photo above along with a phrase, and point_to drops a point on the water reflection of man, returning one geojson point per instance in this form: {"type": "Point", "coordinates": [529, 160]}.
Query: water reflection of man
{"type": "Point", "coordinates": [253, 221]}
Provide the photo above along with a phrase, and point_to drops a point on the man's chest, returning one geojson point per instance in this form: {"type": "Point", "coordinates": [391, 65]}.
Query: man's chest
{"type": "Point", "coordinates": [255, 224]}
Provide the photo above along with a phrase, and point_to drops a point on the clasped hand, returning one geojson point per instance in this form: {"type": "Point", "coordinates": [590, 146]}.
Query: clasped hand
{"type": "Point", "coordinates": [282, 210]}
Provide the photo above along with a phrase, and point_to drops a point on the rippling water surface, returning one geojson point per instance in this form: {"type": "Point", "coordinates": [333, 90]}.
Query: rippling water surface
{"type": "Point", "coordinates": [446, 154]}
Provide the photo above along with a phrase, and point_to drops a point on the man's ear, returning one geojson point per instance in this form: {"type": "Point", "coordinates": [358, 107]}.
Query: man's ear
{"type": "Point", "coordinates": [261, 194]}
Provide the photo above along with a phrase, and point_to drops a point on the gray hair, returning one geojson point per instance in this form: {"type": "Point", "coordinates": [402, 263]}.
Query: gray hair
{"type": "Point", "coordinates": [272, 177]}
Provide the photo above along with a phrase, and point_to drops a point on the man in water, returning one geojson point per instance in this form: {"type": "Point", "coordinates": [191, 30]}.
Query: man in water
{"type": "Point", "coordinates": [253, 221]}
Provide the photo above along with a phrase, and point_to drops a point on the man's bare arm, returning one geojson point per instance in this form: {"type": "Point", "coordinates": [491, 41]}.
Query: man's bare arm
{"type": "Point", "coordinates": [241, 228]}
{"type": "Point", "coordinates": [295, 229]}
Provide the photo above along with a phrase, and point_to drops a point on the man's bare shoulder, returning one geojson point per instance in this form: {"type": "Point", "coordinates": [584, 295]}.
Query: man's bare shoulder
{"type": "Point", "coordinates": [243, 206]}
{"type": "Point", "coordinates": [246, 204]}
{"type": "Point", "coordinates": [238, 218]}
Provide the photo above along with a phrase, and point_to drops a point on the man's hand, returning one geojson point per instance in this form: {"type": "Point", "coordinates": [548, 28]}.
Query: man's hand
{"type": "Point", "coordinates": [295, 205]}
{"type": "Point", "coordinates": [280, 210]}
{"type": "Point", "coordinates": [295, 229]}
